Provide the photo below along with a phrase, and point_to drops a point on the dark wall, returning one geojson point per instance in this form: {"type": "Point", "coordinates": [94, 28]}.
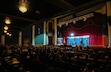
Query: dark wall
{"type": "Point", "coordinates": [109, 20]}
{"type": "Point", "coordinates": [27, 31]}
{"type": "Point", "coordinates": [39, 32]}
{"type": "Point", "coordinates": [27, 34]}
{"type": "Point", "coordinates": [12, 39]}
{"type": "Point", "coordinates": [39, 27]}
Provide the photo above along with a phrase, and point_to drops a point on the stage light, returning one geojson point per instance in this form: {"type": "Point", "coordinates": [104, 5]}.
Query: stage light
{"type": "Point", "coordinates": [84, 18]}
{"type": "Point", "coordinates": [74, 21]}
{"type": "Point", "coordinates": [72, 34]}
{"type": "Point", "coordinates": [23, 5]}
{"type": "Point", "coordinates": [66, 24]}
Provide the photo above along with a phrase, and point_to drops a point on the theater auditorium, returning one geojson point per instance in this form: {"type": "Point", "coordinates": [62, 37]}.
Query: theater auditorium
{"type": "Point", "coordinates": [55, 36]}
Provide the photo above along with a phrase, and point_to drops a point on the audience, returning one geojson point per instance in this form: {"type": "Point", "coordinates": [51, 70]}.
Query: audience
{"type": "Point", "coordinates": [53, 58]}
{"type": "Point", "coordinates": [88, 68]}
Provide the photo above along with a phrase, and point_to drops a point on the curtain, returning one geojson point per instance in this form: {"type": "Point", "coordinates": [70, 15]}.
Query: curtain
{"type": "Point", "coordinates": [92, 27]}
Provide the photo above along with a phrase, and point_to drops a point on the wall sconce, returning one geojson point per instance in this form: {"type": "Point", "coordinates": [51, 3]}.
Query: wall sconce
{"type": "Point", "coordinates": [10, 34]}
{"type": "Point", "coordinates": [7, 20]}
{"type": "Point", "coordinates": [23, 5]}
{"type": "Point", "coordinates": [5, 27]}
{"type": "Point", "coordinates": [5, 31]}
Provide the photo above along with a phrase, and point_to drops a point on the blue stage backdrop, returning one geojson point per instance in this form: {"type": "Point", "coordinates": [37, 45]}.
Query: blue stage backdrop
{"type": "Point", "coordinates": [76, 41]}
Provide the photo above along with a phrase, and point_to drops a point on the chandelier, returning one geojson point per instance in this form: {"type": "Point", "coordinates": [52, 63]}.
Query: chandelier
{"type": "Point", "coordinates": [23, 5]}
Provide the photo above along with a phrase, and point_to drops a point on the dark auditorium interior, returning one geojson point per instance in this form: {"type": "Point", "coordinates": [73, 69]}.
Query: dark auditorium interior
{"type": "Point", "coordinates": [55, 35]}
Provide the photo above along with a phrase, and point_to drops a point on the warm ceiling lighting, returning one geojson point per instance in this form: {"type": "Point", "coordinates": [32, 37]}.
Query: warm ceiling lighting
{"type": "Point", "coordinates": [10, 34]}
{"type": "Point", "coordinates": [7, 20]}
{"type": "Point", "coordinates": [6, 27]}
{"type": "Point", "coordinates": [23, 6]}
{"type": "Point", "coordinates": [5, 31]}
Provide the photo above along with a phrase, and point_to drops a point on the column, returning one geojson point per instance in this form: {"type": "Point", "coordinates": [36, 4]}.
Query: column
{"type": "Point", "coordinates": [20, 38]}
{"type": "Point", "coordinates": [108, 6]}
{"type": "Point", "coordinates": [3, 39]}
{"type": "Point", "coordinates": [33, 34]}
{"type": "Point", "coordinates": [109, 35]}
{"type": "Point", "coordinates": [55, 31]}
{"type": "Point", "coordinates": [45, 28]}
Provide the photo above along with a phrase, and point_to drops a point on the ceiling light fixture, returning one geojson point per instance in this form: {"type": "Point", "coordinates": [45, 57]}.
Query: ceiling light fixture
{"type": "Point", "coordinates": [7, 20]}
{"type": "Point", "coordinates": [38, 12]}
{"type": "Point", "coordinates": [23, 5]}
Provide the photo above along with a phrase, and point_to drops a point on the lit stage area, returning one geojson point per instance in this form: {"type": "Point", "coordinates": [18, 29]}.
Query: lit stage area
{"type": "Point", "coordinates": [86, 32]}
{"type": "Point", "coordinates": [91, 32]}
{"type": "Point", "coordinates": [76, 41]}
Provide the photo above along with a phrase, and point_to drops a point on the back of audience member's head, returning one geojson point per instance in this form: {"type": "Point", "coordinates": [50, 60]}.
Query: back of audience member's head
{"type": "Point", "coordinates": [108, 68]}
{"type": "Point", "coordinates": [88, 68]}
